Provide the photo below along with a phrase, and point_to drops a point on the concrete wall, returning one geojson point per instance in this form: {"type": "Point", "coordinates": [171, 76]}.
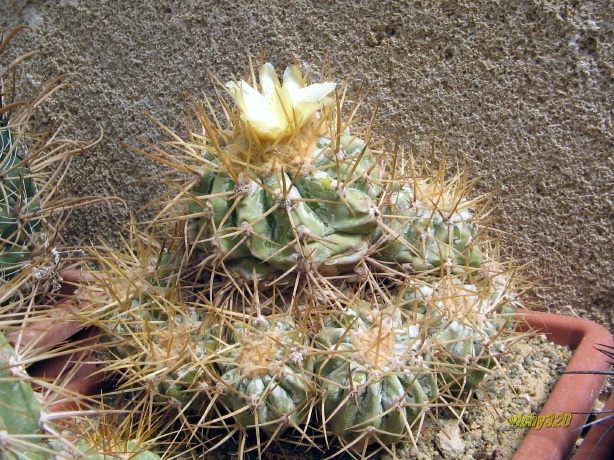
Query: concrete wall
{"type": "Point", "coordinates": [523, 89]}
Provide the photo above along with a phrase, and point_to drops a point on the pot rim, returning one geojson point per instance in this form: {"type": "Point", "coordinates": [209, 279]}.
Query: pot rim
{"type": "Point", "coordinates": [573, 393]}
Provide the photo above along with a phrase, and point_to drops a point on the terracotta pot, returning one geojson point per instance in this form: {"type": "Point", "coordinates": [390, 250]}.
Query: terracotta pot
{"type": "Point", "coordinates": [76, 371]}
{"type": "Point", "coordinates": [599, 442]}
{"type": "Point", "coordinates": [573, 393]}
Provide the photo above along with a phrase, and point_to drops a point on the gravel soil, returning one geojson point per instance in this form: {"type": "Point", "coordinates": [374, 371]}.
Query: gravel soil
{"type": "Point", "coordinates": [527, 376]}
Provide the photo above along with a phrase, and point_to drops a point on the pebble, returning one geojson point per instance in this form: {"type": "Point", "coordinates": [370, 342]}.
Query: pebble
{"type": "Point", "coordinates": [449, 440]}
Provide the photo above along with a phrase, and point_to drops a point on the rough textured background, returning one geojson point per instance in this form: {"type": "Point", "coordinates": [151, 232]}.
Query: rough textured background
{"type": "Point", "coordinates": [523, 89]}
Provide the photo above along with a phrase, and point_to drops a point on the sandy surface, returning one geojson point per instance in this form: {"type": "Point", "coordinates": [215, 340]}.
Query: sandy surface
{"type": "Point", "coordinates": [523, 89]}
{"type": "Point", "coordinates": [491, 428]}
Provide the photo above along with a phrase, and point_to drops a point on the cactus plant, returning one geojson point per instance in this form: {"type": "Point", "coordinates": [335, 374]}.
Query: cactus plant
{"type": "Point", "coordinates": [289, 187]}
{"type": "Point", "coordinates": [33, 293]}
{"type": "Point", "coordinates": [20, 205]}
{"type": "Point", "coordinates": [184, 360]}
{"type": "Point", "coordinates": [267, 374]}
{"type": "Point", "coordinates": [32, 167]}
{"type": "Point", "coordinates": [20, 410]}
{"type": "Point", "coordinates": [27, 430]}
{"type": "Point", "coordinates": [382, 301]}
{"type": "Point", "coordinates": [47, 371]}
{"type": "Point", "coordinates": [428, 223]}
{"type": "Point", "coordinates": [286, 187]}
{"type": "Point", "coordinates": [153, 341]}
{"type": "Point", "coordinates": [374, 375]}
{"type": "Point", "coordinates": [364, 363]}
{"type": "Point", "coordinates": [468, 322]}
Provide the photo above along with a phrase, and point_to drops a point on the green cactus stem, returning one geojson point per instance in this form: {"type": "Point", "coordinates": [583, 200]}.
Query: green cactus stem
{"type": "Point", "coordinates": [21, 435]}
{"type": "Point", "coordinates": [316, 196]}
{"type": "Point", "coordinates": [19, 205]}
{"type": "Point", "coordinates": [428, 224]}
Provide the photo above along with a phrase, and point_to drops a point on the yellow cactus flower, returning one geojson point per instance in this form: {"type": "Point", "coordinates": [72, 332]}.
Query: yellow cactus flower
{"type": "Point", "coordinates": [277, 110]}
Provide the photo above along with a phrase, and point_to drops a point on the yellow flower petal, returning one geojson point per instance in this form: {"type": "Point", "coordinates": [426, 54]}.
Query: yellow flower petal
{"type": "Point", "coordinates": [277, 110]}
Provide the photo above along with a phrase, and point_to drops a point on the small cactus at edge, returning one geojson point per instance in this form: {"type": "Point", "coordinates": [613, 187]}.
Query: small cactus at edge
{"type": "Point", "coordinates": [20, 205]}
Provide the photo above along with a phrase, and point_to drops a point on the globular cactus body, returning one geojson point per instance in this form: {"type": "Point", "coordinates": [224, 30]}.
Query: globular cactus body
{"type": "Point", "coordinates": [286, 187]}
{"type": "Point", "coordinates": [21, 434]}
{"type": "Point", "coordinates": [465, 323]}
{"type": "Point", "coordinates": [267, 374]}
{"type": "Point", "coordinates": [26, 432]}
{"type": "Point", "coordinates": [373, 376]}
{"type": "Point", "coordinates": [293, 213]}
{"type": "Point", "coordinates": [428, 227]}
